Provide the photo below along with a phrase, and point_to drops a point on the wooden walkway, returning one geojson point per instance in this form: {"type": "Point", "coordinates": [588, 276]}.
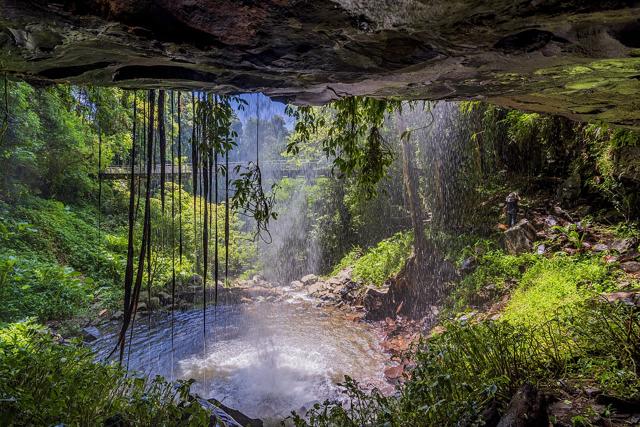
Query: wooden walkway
{"type": "Point", "coordinates": [270, 169]}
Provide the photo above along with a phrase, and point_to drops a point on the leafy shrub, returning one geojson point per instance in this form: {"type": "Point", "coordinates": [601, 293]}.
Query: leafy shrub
{"type": "Point", "coordinates": [45, 383]}
{"type": "Point", "coordinates": [380, 262]}
{"type": "Point", "coordinates": [44, 290]}
{"type": "Point", "coordinates": [494, 268]}
{"type": "Point", "coordinates": [462, 371]}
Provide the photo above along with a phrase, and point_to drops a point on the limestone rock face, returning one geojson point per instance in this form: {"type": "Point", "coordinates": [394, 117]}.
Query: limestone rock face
{"type": "Point", "coordinates": [580, 58]}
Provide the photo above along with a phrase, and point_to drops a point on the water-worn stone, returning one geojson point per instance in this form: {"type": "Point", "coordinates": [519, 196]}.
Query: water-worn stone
{"type": "Point", "coordinates": [316, 287]}
{"type": "Point", "coordinates": [117, 315]}
{"type": "Point", "coordinates": [624, 245]}
{"type": "Point", "coordinates": [90, 333]}
{"type": "Point", "coordinates": [630, 266]}
{"type": "Point", "coordinates": [154, 303]}
{"type": "Point", "coordinates": [296, 284]}
{"type": "Point", "coordinates": [520, 237]}
{"type": "Point", "coordinates": [165, 298]}
{"type": "Point", "coordinates": [309, 279]}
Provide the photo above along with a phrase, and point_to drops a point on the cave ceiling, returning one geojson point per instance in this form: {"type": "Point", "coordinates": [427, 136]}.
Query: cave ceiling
{"type": "Point", "coordinates": [578, 58]}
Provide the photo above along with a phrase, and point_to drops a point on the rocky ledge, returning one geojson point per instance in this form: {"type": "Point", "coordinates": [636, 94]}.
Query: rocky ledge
{"type": "Point", "coordinates": [578, 58]}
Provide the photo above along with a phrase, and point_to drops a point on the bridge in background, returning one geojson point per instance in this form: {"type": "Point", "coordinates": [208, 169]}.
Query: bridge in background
{"type": "Point", "coordinates": [275, 169]}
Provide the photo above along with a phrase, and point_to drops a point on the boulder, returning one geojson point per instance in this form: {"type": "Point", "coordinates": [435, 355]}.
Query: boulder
{"type": "Point", "coordinates": [316, 287]}
{"type": "Point", "coordinates": [155, 303]}
{"type": "Point", "coordinates": [195, 280]}
{"type": "Point", "coordinates": [296, 284]}
{"type": "Point", "coordinates": [117, 315]}
{"type": "Point", "coordinates": [90, 333]}
{"type": "Point", "coordinates": [630, 266]}
{"type": "Point", "coordinates": [528, 408]}
{"type": "Point", "coordinates": [599, 247]}
{"type": "Point", "coordinates": [309, 279]}
{"type": "Point", "coordinates": [629, 298]}
{"type": "Point", "coordinates": [624, 245]}
{"type": "Point", "coordinates": [142, 306]}
{"type": "Point", "coordinates": [520, 237]}
{"type": "Point", "coordinates": [165, 298]}
{"type": "Point", "coordinates": [346, 292]}
{"type": "Point", "coordinates": [375, 299]}
{"type": "Point", "coordinates": [569, 190]}
{"type": "Point", "coordinates": [144, 296]}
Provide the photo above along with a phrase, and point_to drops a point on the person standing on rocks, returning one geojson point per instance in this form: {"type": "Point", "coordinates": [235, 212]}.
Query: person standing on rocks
{"type": "Point", "coordinates": [512, 208]}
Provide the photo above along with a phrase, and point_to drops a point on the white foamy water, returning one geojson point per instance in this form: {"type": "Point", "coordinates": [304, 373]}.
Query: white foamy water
{"type": "Point", "coordinates": [263, 359]}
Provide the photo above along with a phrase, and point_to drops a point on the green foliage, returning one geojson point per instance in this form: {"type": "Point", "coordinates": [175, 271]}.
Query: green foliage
{"type": "Point", "coordinates": [46, 291]}
{"type": "Point", "coordinates": [495, 269]}
{"type": "Point", "coordinates": [377, 264]}
{"type": "Point", "coordinates": [606, 162]}
{"type": "Point", "coordinates": [45, 383]}
{"type": "Point", "coordinates": [552, 284]}
{"type": "Point", "coordinates": [50, 231]}
{"type": "Point", "coordinates": [470, 366]}
{"type": "Point", "coordinates": [353, 138]}
{"type": "Point", "coordinates": [51, 142]}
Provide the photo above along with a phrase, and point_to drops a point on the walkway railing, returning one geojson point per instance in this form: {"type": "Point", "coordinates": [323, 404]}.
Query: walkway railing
{"type": "Point", "coordinates": [269, 168]}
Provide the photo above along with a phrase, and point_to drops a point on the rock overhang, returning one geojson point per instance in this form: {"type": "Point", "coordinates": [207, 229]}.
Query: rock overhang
{"type": "Point", "coordinates": [577, 58]}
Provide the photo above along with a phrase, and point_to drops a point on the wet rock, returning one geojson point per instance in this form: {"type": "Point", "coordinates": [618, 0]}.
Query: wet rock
{"type": "Point", "coordinates": [528, 408]}
{"type": "Point", "coordinates": [600, 247]}
{"type": "Point", "coordinates": [165, 298]}
{"type": "Point", "coordinates": [468, 265]}
{"type": "Point", "coordinates": [520, 237]}
{"type": "Point", "coordinates": [569, 190]}
{"type": "Point", "coordinates": [624, 245]}
{"type": "Point", "coordinates": [142, 306]}
{"type": "Point", "coordinates": [154, 303]}
{"type": "Point", "coordinates": [309, 279]}
{"type": "Point", "coordinates": [541, 250]}
{"type": "Point", "coordinates": [629, 298]}
{"type": "Point", "coordinates": [224, 412]}
{"type": "Point", "coordinates": [374, 300]}
{"type": "Point", "coordinates": [194, 280]}
{"type": "Point", "coordinates": [316, 288]}
{"type": "Point", "coordinates": [296, 284]}
{"type": "Point", "coordinates": [630, 266]}
{"type": "Point", "coordinates": [117, 315]}
{"type": "Point", "coordinates": [90, 333]}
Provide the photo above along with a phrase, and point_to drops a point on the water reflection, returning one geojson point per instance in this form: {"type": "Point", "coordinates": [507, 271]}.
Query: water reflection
{"type": "Point", "coordinates": [263, 359]}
